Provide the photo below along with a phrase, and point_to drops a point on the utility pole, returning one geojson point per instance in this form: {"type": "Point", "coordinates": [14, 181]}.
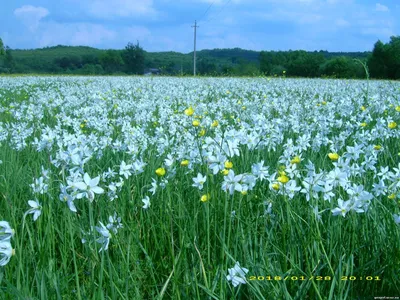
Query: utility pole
{"type": "Point", "coordinates": [194, 53]}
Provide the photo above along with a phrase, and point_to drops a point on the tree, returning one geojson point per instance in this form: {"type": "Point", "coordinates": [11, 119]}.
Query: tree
{"type": "Point", "coordinates": [111, 61]}
{"type": "Point", "coordinates": [384, 62]}
{"type": "Point", "coordinates": [133, 57]}
{"type": "Point", "coordinates": [2, 50]}
{"type": "Point", "coordinates": [377, 61]}
{"type": "Point", "coordinates": [9, 62]}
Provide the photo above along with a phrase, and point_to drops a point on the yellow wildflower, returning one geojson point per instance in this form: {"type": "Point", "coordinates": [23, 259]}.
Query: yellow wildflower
{"type": "Point", "coordinates": [275, 186]}
{"type": "Point", "coordinates": [189, 111]}
{"type": "Point", "coordinates": [225, 172]}
{"type": "Point", "coordinates": [184, 163]}
{"type": "Point", "coordinates": [205, 198]}
{"type": "Point", "coordinates": [295, 160]}
{"type": "Point", "coordinates": [160, 172]}
{"type": "Point", "coordinates": [228, 165]}
{"type": "Point", "coordinates": [283, 179]}
{"type": "Point", "coordinates": [333, 156]}
{"type": "Point", "coordinates": [196, 123]}
{"type": "Point", "coordinates": [214, 124]}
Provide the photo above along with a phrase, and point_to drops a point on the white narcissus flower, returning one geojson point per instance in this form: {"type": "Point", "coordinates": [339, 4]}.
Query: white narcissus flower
{"type": "Point", "coordinates": [199, 181]}
{"type": "Point", "coordinates": [396, 219]}
{"type": "Point", "coordinates": [146, 202]}
{"type": "Point", "coordinates": [125, 170]}
{"type": "Point", "coordinates": [114, 223]}
{"type": "Point", "coordinates": [237, 275]}
{"type": "Point", "coordinates": [6, 232]}
{"type": "Point", "coordinates": [65, 197]}
{"type": "Point", "coordinates": [6, 251]}
{"type": "Point", "coordinates": [231, 182]}
{"type": "Point", "coordinates": [343, 208]}
{"type": "Point", "coordinates": [104, 240]}
{"type": "Point", "coordinates": [88, 187]}
{"type": "Point", "coordinates": [36, 209]}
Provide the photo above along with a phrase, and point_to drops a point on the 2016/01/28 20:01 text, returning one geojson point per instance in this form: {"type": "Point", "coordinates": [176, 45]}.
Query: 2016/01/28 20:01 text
{"type": "Point", "coordinates": [317, 278]}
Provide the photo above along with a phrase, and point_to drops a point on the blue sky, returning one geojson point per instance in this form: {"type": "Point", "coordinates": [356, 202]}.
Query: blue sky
{"type": "Point", "coordinates": [165, 25]}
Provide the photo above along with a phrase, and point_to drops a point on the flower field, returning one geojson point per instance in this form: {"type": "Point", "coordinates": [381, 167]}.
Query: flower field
{"type": "Point", "coordinates": [199, 188]}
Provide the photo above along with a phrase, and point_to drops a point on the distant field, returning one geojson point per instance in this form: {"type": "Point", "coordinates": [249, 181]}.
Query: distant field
{"type": "Point", "coordinates": [199, 188]}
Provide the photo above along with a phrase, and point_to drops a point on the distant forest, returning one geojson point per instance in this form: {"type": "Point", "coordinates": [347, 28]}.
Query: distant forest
{"type": "Point", "coordinates": [383, 62]}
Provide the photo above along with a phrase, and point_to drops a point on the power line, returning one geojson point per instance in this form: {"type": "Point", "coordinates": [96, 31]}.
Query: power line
{"type": "Point", "coordinates": [208, 8]}
{"type": "Point", "coordinates": [217, 14]}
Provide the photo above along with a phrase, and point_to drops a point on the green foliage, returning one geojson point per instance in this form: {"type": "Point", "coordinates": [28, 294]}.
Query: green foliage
{"type": "Point", "coordinates": [384, 62]}
{"type": "Point", "coordinates": [342, 67]}
{"type": "Point", "coordinates": [311, 64]}
{"type": "Point", "coordinates": [111, 60]}
{"type": "Point", "coordinates": [2, 52]}
{"type": "Point", "coordinates": [133, 57]}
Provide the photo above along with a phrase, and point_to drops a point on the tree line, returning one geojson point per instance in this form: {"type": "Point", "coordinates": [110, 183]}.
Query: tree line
{"type": "Point", "coordinates": [383, 62]}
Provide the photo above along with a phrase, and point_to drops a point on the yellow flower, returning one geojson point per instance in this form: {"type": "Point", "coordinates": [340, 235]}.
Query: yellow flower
{"type": "Point", "coordinates": [398, 108]}
{"type": "Point", "coordinates": [323, 102]}
{"type": "Point", "coordinates": [392, 196]}
{"type": "Point", "coordinates": [205, 198]}
{"type": "Point", "coordinates": [196, 123]}
{"type": "Point", "coordinates": [333, 156]}
{"type": "Point", "coordinates": [202, 132]}
{"type": "Point", "coordinates": [363, 108]}
{"type": "Point", "coordinates": [392, 125]}
{"type": "Point", "coordinates": [228, 165]}
{"type": "Point", "coordinates": [295, 160]}
{"type": "Point", "coordinates": [214, 124]}
{"type": "Point", "coordinates": [275, 186]}
{"type": "Point", "coordinates": [244, 107]}
{"type": "Point", "coordinates": [184, 163]}
{"type": "Point", "coordinates": [225, 172]}
{"type": "Point", "coordinates": [243, 193]}
{"type": "Point", "coordinates": [160, 172]}
{"type": "Point", "coordinates": [283, 179]}
{"type": "Point", "coordinates": [281, 170]}
{"type": "Point", "coordinates": [363, 124]}
{"type": "Point", "coordinates": [189, 111]}
{"type": "Point", "coordinates": [377, 147]}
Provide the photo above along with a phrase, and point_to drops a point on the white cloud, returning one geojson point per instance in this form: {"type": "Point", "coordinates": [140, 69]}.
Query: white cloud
{"type": "Point", "coordinates": [31, 15]}
{"type": "Point", "coordinates": [121, 8]}
{"type": "Point", "coordinates": [75, 34]}
{"type": "Point", "coordinates": [289, 16]}
{"type": "Point", "coordinates": [342, 23]}
{"type": "Point", "coordinates": [378, 32]}
{"type": "Point", "coordinates": [381, 7]}
{"type": "Point", "coordinates": [135, 33]}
